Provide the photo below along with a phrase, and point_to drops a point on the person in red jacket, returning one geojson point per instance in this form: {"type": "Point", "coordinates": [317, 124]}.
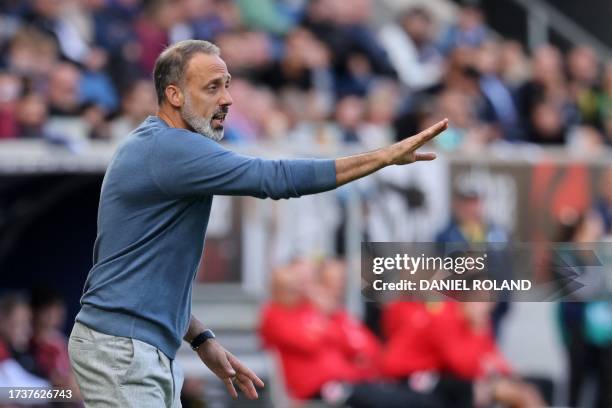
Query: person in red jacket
{"type": "Point", "coordinates": [17, 367]}
{"type": "Point", "coordinates": [48, 345]}
{"type": "Point", "coordinates": [359, 345]}
{"type": "Point", "coordinates": [309, 345]}
{"type": "Point", "coordinates": [406, 325]}
{"type": "Point", "coordinates": [451, 337]}
{"type": "Point", "coordinates": [455, 341]}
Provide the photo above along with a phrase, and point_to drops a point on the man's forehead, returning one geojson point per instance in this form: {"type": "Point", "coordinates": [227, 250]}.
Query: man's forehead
{"type": "Point", "coordinates": [205, 67]}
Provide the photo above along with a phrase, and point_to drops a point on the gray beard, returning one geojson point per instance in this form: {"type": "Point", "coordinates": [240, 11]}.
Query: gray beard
{"type": "Point", "coordinates": [202, 125]}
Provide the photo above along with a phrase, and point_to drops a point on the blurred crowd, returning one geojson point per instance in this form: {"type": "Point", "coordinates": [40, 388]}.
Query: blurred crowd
{"type": "Point", "coordinates": [321, 72]}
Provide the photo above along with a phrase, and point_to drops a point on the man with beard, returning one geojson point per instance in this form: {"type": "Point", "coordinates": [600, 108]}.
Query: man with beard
{"type": "Point", "coordinates": [154, 208]}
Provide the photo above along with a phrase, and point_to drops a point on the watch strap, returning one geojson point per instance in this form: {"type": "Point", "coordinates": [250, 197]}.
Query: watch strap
{"type": "Point", "coordinates": [201, 338]}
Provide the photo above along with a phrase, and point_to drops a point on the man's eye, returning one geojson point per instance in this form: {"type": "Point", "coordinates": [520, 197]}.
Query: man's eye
{"type": "Point", "coordinates": [212, 87]}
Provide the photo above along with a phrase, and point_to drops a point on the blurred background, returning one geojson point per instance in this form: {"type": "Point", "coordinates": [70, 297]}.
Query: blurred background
{"type": "Point", "coordinates": [527, 87]}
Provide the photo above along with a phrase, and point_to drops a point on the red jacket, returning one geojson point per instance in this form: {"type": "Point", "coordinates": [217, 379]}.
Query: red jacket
{"type": "Point", "coordinates": [359, 345]}
{"type": "Point", "coordinates": [438, 338]}
{"type": "Point", "coordinates": [313, 347]}
{"type": "Point", "coordinates": [4, 352]}
{"type": "Point", "coordinates": [51, 355]}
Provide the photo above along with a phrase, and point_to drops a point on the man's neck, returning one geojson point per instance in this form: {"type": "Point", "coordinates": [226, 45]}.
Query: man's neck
{"type": "Point", "coordinates": [172, 118]}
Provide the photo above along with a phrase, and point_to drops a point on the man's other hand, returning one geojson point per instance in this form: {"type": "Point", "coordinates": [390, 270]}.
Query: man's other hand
{"type": "Point", "coordinates": [229, 369]}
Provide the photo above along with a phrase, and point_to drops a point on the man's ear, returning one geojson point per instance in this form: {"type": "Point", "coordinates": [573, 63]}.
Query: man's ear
{"type": "Point", "coordinates": [174, 96]}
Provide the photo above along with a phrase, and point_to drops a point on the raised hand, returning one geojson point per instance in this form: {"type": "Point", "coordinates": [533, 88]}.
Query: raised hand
{"type": "Point", "coordinates": [405, 151]}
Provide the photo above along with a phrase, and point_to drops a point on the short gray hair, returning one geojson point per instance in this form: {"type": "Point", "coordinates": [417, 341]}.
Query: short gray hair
{"type": "Point", "coordinates": [172, 62]}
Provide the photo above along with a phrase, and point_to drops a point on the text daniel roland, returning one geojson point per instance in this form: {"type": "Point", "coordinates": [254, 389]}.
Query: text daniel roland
{"type": "Point", "coordinates": [453, 285]}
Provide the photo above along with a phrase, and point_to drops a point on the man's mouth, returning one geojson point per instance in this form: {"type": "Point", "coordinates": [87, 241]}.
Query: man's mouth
{"type": "Point", "coordinates": [218, 119]}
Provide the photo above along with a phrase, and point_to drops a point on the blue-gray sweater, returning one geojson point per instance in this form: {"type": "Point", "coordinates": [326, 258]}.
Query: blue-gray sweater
{"type": "Point", "coordinates": [154, 209]}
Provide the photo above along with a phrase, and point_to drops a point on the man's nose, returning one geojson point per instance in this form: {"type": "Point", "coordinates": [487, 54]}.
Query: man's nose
{"type": "Point", "coordinates": [226, 98]}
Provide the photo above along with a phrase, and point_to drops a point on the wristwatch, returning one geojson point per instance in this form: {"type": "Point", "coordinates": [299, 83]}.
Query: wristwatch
{"type": "Point", "coordinates": [201, 338]}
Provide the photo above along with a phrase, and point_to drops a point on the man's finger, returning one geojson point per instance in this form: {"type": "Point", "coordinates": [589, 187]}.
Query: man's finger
{"type": "Point", "coordinates": [242, 369]}
{"type": "Point", "coordinates": [228, 368]}
{"type": "Point", "coordinates": [246, 385]}
{"type": "Point", "coordinates": [428, 134]}
{"type": "Point", "coordinates": [230, 387]}
{"type": "Point", "coordinates": [424, 156]}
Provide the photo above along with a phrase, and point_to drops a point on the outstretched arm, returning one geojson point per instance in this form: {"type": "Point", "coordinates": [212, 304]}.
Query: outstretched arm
{"type": "Point", "coordinates": [403, 152]}
{"type": "Point", "coordinates": [184, 163]}
{"type": "Point", "coordinates": [223, 363]}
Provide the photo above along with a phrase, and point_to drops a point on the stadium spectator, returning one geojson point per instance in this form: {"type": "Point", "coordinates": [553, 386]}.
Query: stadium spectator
{"type": "Point", "coordinates": [63, 91]}
{"type": "Point", "coordinates": [380, 110]}
{"type": "Point", "coordinates": [583, 74]}
{"type": "Point", "coordinates": [349, 116]}
{"type": "Point", "coordinates": [114, 32]}
{"type": "Point", "coordinates": [10, 88]}
{"type": "Point", "coordinates": [500, 108]}
{"type": "Point", "coordinates": [95, 85]}
{"type": "Point", "coordinates": [544, 101]}
{"type": "Point", "coordinates": [204, 20]}
{"type": "Point", "coordinates": [312, 129]}
{"type": "Point", "coordinates": [515, 68]}
{"type": "Point", "coordinates": [152, 31]}
{"type": "Point", "coordinates": [66, 108]}
{"type": "Point", "coordinates": [411, 49]}
{"type": "Point", "coordinates": [273, 123]}
{"type": "Point", "coordinates": [31, 54]}
{"type": "Point", "coordinates": [309, 359]}
{"type": "Point", "coordinates": [547, 126]}
{"type": "Point", "coordinates": [470, 30]}
{"type": "Point", "coordinates": [448, 351]}
{"type": "Point", "coordinates": [359, 344]}
{"type": "Point", "coordinates": [138, 102]}
{"type": "Point", "coordinates": [603, 204]}
{"type": "Point", "coordinates": [604, 105]}
{"type": "Point", "coordinates": [17, 367]}
{"type": "Point", "coordinates": [468, 223]}
{"type": "Point", "coordinates": [193, 392]}
{"type": "Point", "coordinates": [586, 140]}
{"type": "Point", "coordinates": [32, 115]}
{"type": "Point", "coordinates": [48, 345]}
{"type": "Point", "coordinates": [244, 122]}
{"type": "Point", "coordinates": [584, 323]}
{"type": "Point", "coordinates": [305, 64]}
{"type": "Point", "coordinates": [466, 133]}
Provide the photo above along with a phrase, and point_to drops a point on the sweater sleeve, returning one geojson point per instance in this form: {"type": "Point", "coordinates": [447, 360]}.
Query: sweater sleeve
{"type": "Point", "coordinates": [184, 163]}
